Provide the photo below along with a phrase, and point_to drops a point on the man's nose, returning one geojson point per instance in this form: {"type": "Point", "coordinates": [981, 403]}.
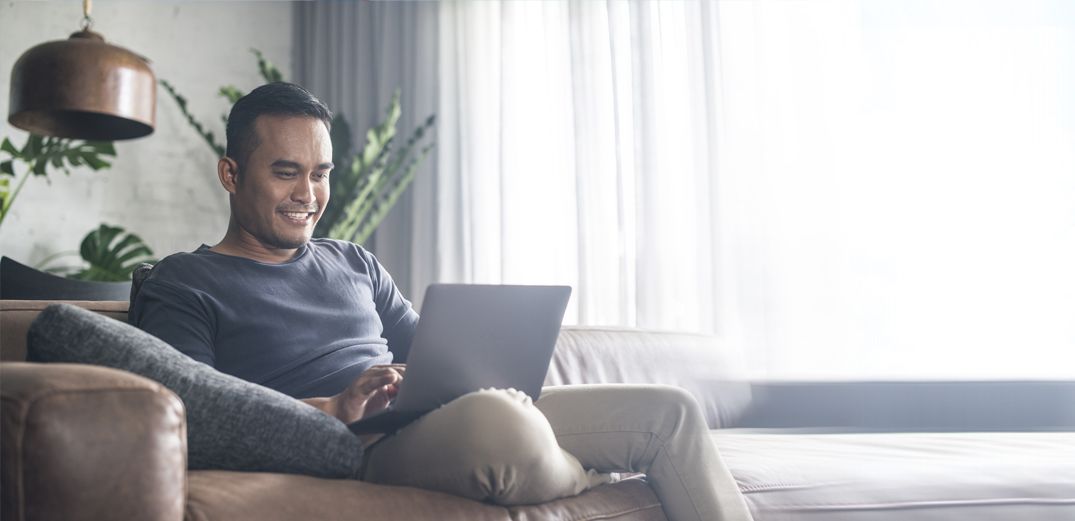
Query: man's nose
{"type": "Point", "coordinates": [303, 191]}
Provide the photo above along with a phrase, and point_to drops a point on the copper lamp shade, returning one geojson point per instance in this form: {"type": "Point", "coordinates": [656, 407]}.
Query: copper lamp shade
{"type": "Point", "coordinates": [83, 88]}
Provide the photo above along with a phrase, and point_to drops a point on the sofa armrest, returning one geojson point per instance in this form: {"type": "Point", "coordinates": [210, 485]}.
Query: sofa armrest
{"type": "Point", "coordinates": [84, 442]}
{"type": "Point", "coordinates": [910, 406]}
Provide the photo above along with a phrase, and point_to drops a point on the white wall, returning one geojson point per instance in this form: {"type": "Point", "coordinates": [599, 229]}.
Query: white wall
{"type": "Point", "coordinates": [162, 187]}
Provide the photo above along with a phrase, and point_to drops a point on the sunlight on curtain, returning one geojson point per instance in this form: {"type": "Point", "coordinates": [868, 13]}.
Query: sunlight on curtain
{"type": "Point", "coordinates": [899, 187]}
{"type": "Point", "coordinates": [584, 154]}
{"type": "Point", "coordinates": [845, 189]}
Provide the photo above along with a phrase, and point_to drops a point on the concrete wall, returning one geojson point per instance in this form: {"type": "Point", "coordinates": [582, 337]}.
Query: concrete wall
{"type": "Point", "coordinates": [162, 187]}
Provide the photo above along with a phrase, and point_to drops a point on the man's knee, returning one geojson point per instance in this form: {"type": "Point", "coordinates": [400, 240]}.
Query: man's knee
{"type": "Point", "coordinates": [679, 407]}
{"type": "Point", "coordinates": [676, 396]}
{"type": "Point", "coordinates": [503, 428]}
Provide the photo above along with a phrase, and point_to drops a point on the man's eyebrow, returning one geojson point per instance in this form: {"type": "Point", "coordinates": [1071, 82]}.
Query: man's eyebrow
{"type": "Point", "coordinates": [283, 163]}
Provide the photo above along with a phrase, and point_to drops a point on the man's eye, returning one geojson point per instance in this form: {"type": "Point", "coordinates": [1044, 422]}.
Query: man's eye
{"type": "Point", "coordinates": [322, 175]}
{"type": "Point", "coordinates": [286, 174]}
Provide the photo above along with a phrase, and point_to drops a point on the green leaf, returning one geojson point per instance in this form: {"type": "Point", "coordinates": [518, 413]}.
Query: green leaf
{"type": "Point", "coordinates": [94, 162]}
{"type": "Point", "coordinates": [112, 254]}
{"type": "Point", "coordinates": [105, 148]}
{"type": "Point", "coordinates": [268, 71]}
{"type": "Point", "coordinates": [38, 167]}
{"type": "Point", "coordinates": [7, 168]}
{"type": "Point", "coordinates": [32, 147]}
{"type": "Point", "coordinates": [5, 192]}
{"type": "Point", "coordinates": [8, 147]}
{"type": "Point", "coordinates": [230, 93]}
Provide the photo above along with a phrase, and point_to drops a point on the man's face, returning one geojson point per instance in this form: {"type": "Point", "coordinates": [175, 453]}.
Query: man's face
{"type": "Point", "coordinates": [283, 186]}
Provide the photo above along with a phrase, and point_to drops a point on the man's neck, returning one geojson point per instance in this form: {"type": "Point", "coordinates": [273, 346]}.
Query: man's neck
{"type": "Point", "coordinates": [239, 243]}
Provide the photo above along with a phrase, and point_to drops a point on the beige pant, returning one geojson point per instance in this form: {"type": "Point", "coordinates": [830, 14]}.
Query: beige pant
{"type": "Point", "coordinates": [496, 446]}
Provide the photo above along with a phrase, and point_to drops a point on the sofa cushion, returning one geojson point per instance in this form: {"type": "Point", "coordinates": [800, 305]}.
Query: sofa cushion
{"type": "Point", "coordinates": [256, 496]}
{"type": "Point", "coordinates": [627, 500]}
{"type": "Point", "coordinates": [253, 496]}
{"type": "Point", "coordinates": [901, 476]}
{"type": "Point", "coordinates": [232, 424]}
{"type": "Point", "coordinates": [703, 365]}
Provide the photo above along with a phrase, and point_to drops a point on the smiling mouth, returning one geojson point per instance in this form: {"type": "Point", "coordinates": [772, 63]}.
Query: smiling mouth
{"type": "Point", "coordinates": [298, 217]}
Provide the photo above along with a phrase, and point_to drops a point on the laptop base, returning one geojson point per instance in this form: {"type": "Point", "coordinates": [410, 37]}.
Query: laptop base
{"type": "Point", "coordinates": [386, 422]}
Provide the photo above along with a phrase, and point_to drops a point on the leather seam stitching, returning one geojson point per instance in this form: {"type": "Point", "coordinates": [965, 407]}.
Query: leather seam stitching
{"type": "Point", "coordinates": [765, 487]}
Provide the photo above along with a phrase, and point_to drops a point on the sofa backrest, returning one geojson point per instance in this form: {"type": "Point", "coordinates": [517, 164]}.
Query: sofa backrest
{"type": "Point", "coordinates": [583, 355]}
{"type": "Point", "coordinates": [16, 316]}
{"type": "Point", "coordinates": [701, 364]}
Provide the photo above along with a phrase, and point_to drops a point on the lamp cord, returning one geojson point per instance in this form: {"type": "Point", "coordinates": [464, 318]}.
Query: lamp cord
{"type": "Point", "coordinates": [87, 22]}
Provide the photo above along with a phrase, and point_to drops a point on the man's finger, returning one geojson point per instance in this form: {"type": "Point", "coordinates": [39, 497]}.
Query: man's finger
{"type": "Point", "coordinates": [383, 370]}
{"type": "Point", "coordinates": [399, 368]}
{"type": "Point", "coordinates": [379, 380]}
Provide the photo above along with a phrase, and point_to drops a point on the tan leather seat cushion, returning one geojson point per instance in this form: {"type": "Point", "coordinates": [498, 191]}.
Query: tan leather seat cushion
{"type": "Point", "coordinates": [220, 495]}
{"type": "Point", "coordinates": [953, 476]}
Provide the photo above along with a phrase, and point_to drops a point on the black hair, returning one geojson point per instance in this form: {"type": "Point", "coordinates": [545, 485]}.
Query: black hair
{"type": "Point", "coordinates": [277, 99]}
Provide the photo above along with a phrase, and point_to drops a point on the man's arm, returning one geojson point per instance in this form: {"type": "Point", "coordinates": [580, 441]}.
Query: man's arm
{"type": "Point", "coordinates": [325, 404]}
{"type": "Point", "coordinates": [175, 317]}
{"type": "Point", "coordinates": [398, 318]}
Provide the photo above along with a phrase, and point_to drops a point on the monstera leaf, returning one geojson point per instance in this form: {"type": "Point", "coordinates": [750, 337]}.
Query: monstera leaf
{"type": "Point", "coordinates": [112, 254]}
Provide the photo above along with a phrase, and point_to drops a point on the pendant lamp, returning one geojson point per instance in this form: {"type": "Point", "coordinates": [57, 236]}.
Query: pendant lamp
{"type": "Point", "coordinates": [83, 88]}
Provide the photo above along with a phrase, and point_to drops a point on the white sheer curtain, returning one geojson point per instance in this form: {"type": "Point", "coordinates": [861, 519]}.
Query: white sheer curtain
{"type": "Point", "coordinates": [899, 187]}
{"type": "Point", "coordinates": [580, 150]}
{"type": "Point", "coordinates": [846, 189]}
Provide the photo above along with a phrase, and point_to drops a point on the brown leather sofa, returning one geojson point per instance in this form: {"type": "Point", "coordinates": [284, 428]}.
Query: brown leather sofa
{"type": "Point", "coordinates": [83, 442]}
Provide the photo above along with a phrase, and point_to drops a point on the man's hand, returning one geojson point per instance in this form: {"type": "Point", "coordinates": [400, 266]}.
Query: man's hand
{"type": "Point", "coordinates": [369, 393]}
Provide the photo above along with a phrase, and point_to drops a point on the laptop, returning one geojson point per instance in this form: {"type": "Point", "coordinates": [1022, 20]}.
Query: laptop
{"type": "Point", "coordinates": [471, 337]}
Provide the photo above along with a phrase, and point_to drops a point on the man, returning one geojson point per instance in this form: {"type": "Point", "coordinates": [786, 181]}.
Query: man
{"type": "Point", "coordinates": [322, 321]}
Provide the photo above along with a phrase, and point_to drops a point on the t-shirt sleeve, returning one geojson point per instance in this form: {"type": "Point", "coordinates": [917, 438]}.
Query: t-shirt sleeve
{"type": "Point", "coordinates": [174, 315]}
{"type": "Point", "coordinates": [398, 317]}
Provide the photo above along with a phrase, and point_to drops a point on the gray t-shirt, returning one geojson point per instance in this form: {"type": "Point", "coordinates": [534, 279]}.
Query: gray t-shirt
{"type": "Point", "coordinates": [307, 327]}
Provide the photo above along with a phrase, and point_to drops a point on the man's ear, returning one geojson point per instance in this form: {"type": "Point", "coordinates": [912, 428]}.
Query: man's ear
{"type": "Point", "coordinates": [228, 172]}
